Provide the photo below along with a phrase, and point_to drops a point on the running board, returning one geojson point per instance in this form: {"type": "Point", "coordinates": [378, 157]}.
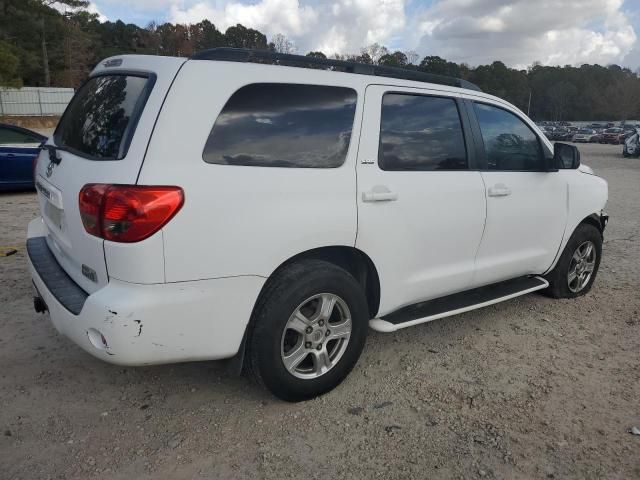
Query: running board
{"type": "Point", "coordinates": [457, 303]}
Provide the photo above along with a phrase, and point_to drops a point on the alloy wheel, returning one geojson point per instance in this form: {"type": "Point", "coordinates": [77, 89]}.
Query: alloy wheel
{"type": "Point", "coordinates": [581, 266]}
{"type": "Point", "coordinates": [316, 336]}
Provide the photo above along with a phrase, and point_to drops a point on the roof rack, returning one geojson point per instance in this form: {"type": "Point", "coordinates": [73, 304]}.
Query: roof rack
{"type": "Point", "coordinates": [286, 59]}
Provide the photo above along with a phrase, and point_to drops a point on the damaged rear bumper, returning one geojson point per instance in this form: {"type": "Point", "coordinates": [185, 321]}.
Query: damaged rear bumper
{"type": "Point", "coordinates": [135, 324]}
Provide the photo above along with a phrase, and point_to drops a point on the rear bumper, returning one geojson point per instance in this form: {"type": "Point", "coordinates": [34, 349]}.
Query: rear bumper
{"type": "Point", "coordinates": [134, 324]}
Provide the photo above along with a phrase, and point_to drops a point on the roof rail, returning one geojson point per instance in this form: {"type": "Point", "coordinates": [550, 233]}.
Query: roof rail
{"type": "Point", "coordinates": [286, 59]}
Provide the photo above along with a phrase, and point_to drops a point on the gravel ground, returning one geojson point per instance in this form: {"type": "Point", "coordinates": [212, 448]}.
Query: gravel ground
{"type": "Point", "coordinates": [530, 388]}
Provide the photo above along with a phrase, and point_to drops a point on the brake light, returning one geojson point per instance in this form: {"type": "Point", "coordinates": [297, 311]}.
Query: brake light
{"type": "Point", "coordinates": [127, 213]}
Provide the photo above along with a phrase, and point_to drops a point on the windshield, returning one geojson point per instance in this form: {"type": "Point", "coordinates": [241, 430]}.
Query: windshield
{"type": "Point", "coordinates": [101, 118]}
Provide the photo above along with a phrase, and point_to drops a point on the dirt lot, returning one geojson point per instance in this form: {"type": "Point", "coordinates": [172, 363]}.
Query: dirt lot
{"type": "Point", "coordinates": [531, 388]}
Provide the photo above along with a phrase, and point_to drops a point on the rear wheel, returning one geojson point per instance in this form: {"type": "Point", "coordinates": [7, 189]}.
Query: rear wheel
{"type": "Point", "coordinates": [309, 330]}
{"type": "Point", "coordinates": [578, 265]}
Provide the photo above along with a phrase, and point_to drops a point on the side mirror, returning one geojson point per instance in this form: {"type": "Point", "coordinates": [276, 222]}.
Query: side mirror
{"type": "Point", "coordinates": [565, 156]}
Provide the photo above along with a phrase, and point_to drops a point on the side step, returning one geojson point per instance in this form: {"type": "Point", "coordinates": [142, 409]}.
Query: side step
{"type": "Point", "coordinates": [457, 303]}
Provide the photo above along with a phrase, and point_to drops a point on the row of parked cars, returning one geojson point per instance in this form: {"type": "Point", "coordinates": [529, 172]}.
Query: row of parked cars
{"type": "Point", "coordinates": [594, 133]}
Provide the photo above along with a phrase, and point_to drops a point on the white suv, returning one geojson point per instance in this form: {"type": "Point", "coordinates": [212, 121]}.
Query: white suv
{"type": "Point", "coordinates": [270, 208]}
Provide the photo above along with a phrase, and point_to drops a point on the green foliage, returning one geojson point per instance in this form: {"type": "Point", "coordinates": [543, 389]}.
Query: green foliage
{"type": "Point", "coordinates": [37, 43]}
{"type": "Point", "coordinates": [243, 37]}
{"type": "Point", "coordinates": [395, 59]}
{"type": "Point", "coordinates": [9, 63]}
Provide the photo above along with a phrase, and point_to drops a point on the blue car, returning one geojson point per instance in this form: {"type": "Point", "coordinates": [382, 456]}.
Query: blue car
{"type": "Point", "coordinates": [18, 149]}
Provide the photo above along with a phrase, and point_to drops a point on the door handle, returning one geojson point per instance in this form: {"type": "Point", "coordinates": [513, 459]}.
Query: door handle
{"type": "Point", "coordinates": [499, 190]}
{"type": "Point", "coordinates": [379, 193]}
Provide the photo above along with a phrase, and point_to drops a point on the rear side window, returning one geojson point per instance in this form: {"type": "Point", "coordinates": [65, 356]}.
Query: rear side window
{"type": "Point", "coordinates": [102, 116]}
{"type": "Point", "coordinates": [509, 143]}
{"type": "Point", "coordinates": [283, 125]}
{"type": "Point", "coordinates": [420, 133]}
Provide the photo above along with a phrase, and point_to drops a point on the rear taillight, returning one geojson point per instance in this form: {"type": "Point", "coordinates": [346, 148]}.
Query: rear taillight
{"type": "Point", "coordinates": [127, 213]}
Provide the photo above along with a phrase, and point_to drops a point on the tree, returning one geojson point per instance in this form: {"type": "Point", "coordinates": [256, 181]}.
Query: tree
{"type": "Point", "coordinates": [281, 44]}
{"type": "Point", "coordinates": [395, 59]}
{"type": "Point", "coordinates": [243, 37]}
{"type": "Point", "coordinates": [316, 55]}
{"type": "Point", "coordinates": [205, 35]}
{"type": "Point", "coordinates": [439, 66]}
{"type": "Point", "coordinates": [374, 51]}
{"type": "Point", "coordinates": [9, 67]}
{"type": "Point", "coordinates": [412, 57]}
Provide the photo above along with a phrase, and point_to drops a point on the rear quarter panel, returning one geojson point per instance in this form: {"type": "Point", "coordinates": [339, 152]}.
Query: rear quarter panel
{"type": "Point", "coordinates": [239, 220]}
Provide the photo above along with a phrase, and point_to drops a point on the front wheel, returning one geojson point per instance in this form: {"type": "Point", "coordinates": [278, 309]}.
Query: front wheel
{"type": "Point", "coordinates": [309, 329]}
{"type": "Point", "coordinates": [578, 265]}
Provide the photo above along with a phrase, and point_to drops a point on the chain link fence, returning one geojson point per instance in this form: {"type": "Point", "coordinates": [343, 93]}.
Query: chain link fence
{"type": "Point", "coordinates": [34, 101]}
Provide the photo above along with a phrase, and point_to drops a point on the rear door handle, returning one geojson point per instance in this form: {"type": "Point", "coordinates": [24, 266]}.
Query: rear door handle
{"type": "Point", "coordinates": [499, 190]}
{"type": "Point", "coordinates": [379, 193]}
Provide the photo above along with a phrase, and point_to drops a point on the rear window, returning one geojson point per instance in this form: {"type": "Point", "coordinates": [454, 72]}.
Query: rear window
{"type": "Point", "coordinates": [102, 116]}
{"type": "Point", "coordinates": [283, 125]}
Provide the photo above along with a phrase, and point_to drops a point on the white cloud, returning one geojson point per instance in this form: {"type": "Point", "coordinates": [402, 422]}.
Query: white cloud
{"type": "Point", "coordinates": [337, 26]}
{"type": "Point", "coordinates": [92, 8]}
{"type": "Point", "coordinates": [550, 31]}
{"type": "Point", "coordinates": [518, 32]}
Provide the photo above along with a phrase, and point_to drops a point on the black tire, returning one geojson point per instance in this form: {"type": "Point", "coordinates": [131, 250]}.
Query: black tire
{"type": "Point", "coordinates": [286, 291]}
{"type": "Point", "coordinates": [557, 278]}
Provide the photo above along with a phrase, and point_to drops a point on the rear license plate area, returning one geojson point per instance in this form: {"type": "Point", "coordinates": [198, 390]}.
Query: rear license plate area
{"type": "Point", "coordinates": [55, 215]}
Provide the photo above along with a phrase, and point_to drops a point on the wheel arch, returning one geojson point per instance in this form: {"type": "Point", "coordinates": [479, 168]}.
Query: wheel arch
{"type": "Point", "coordinates": [592, 219]}
{"type": "Point", "coordinates": [351, 259]}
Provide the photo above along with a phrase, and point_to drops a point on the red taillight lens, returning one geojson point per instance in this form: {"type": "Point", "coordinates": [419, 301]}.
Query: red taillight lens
{"type": "Point", "coordinates": [127, 213]}
{"type": "Point", "coordinates": [90, 206]}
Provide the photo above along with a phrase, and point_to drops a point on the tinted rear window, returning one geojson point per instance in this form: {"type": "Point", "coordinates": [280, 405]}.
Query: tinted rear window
{"type": "Point", "coordinates": [283, 125]}
{"type": "Point", "coordinates": [101, 118]}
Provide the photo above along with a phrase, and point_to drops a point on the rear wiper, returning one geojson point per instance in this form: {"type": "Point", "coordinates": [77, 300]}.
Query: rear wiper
{"type": "Point", "coordinates": [53, 154]}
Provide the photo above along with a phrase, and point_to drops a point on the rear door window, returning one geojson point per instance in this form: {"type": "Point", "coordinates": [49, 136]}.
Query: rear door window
{"type": "Point", "coordinates": [283, 125]}
{"type": "Point", "coordinates": [101, 118]}
{"type": "Point", "coordinates": [421, 133]}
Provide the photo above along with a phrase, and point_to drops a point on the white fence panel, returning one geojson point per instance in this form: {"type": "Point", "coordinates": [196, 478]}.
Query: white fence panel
{"type": "Point", "coordinates": [36, 101]}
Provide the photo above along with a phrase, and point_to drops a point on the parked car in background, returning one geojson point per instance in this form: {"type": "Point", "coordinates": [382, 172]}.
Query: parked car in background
{"type": "Point", "coordinates": [19, 147]}
{"type": "Point", "coordinates": [631, 147]}
{"type": "Point", "coordinates": [586, 135]}
{"type": "Point", "coordinates": [613, 135]}
{"type": "Point", "coordinates": [562, 134]}
{"type": "Point", "coordinates": [548, 131]}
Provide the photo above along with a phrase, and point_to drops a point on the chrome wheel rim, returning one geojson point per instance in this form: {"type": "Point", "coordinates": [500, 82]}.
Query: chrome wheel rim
{"type": "Point", "coordinates": [581, 266]}
{"type": "Point", "coordinates": [316, 336]}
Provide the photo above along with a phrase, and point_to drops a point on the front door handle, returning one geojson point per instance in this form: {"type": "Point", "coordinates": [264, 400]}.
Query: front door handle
{"type": "Point", "coordinates": [379, 193]}
{"type": "Point", "coordinates": [499, 190]}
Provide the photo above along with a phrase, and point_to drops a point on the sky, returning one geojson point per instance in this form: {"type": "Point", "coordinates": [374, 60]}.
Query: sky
{"type": "Point", "coordinates": [517, 32]}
